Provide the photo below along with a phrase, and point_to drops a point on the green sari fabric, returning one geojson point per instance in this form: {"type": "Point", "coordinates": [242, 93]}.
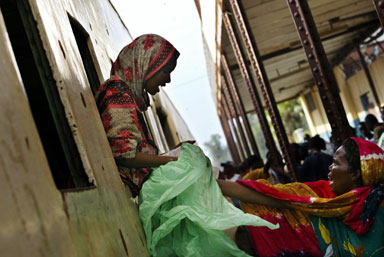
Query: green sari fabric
{"type": "Point", "coordinates": [184, 213]}
{"type": "Point", "coordinates": [335, 238]}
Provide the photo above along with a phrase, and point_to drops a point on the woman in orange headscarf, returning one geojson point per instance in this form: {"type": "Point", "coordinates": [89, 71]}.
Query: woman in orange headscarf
{"type": "Point", "coordinates": [340, 217]}
{"type": "Point", "coordinates": [141, 67]}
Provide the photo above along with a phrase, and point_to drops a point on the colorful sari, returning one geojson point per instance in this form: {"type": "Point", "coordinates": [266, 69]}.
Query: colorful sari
{"type": "Point", "coordinates": [319, 223]}
{"type": "Point", "coordinates": [122, 99]}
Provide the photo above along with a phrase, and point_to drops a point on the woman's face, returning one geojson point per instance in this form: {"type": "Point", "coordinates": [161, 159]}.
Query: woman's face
{"type": "Point", "coordinates": [342, 180]}
{"type": "Point", "coordinates": [160, 79]}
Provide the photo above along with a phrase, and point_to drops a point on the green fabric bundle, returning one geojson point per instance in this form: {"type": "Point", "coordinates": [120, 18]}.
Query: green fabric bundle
{"type": "Point", "coordinates": [184, 213]}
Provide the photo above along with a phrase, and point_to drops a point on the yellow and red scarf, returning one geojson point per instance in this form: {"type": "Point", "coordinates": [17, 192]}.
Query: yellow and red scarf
{"type": "Point", "coordinates": [316, 198]}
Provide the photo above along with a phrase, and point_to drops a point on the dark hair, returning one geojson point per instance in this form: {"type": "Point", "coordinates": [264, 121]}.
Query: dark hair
{"type": "Point", "coordinates": [362, 124]}
{"type": "Point", "coordinates": [352, 155]}
{"type": "Point", "coordinates": [252, 162]}
{"type": "Point", "coordinates": [295, 150]}
{"type": "Point", "coordinates": [317, 143]}
{"type": "Point", "coordinates": [370, 121]}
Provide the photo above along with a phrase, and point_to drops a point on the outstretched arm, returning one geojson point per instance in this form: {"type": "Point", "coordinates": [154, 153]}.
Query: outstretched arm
{"type": "Point", "coordinates": [247, 195]}
{"type": "Point", "coordinates": [143, 160]}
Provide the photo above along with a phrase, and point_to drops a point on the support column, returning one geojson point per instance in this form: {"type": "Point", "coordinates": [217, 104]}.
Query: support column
{"type": "Point", "coordinates": [228, 137]}
{"type": "Point", "coordinates": [227, 114]}
{"type": "Point", "coordinates": [234, 113]}
{"type": "Point", "coordinates": [261, 75]}
{"type": "Point", "coordinates": [379, 4]}
{"type": "Point", "coordinates": [369, 77]}
{"type": "Point", "coordinates": [252, 89]}
{"type": "Point", "coordinates": [238, 102]}
{"type": "Point", "coordinates": [322, 72]}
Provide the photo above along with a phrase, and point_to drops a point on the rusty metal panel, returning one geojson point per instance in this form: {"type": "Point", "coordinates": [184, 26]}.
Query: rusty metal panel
{"type": "Point", "coordinates": [321, 70]}
{"type": "Point", "coordinates": [238, 102]}
{"type": "Point", "coordinates": [39, 220]}
{"type": "Point", "coordinates": [258, 68]}
{"type": "Point", "coordinates": [251, 87]}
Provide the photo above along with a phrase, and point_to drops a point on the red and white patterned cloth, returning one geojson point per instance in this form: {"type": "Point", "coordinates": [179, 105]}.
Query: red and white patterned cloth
{"type": "Point", "coordinates": [122, 99]}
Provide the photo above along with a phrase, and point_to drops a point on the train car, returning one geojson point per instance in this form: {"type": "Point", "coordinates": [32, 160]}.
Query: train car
{"type": "Point", "coordinates": [61, 194]}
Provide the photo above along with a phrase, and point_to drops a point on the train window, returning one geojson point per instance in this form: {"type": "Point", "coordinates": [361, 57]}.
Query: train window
{"type": "Point", "coordinates": [43, 97]}
{"type": "Point", "coordinates": [86, 50]}
{"type": "Point", "coordinates": [166, 128]}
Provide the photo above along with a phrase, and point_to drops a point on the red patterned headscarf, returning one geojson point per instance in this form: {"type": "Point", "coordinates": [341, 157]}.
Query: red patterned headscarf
{"type": "Point", "coordinates": [371, 161]}
{"type": "Point", "coordinates": [141, 60]}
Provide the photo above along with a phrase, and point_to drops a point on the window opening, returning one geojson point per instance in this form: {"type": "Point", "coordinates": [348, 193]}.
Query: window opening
{"type": "Point", "coordinates": [84, 44]}
{"type": "Point", "coordinates": [166, 128]}
{"type": "Point", "coordinates": [43, 97]}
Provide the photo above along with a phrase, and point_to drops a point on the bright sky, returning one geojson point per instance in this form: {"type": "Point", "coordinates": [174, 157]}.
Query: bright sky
{"type": "Point", "coordinates": [178, 21]}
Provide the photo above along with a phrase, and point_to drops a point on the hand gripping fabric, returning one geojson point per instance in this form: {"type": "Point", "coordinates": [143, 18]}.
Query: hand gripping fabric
{"type": "Point", "coordinates": [184, 213]}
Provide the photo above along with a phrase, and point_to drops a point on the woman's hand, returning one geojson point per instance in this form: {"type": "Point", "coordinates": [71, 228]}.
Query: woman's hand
{"type": "Point", "coordinates": [143, 160]}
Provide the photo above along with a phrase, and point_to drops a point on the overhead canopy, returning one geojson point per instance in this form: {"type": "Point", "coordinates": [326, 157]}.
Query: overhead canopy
{"type": "Point", "coordinates": [341, 25]}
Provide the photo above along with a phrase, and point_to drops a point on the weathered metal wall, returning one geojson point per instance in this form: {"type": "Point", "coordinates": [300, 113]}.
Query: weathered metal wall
{"type": "Point", "coordinates": [36, 218]}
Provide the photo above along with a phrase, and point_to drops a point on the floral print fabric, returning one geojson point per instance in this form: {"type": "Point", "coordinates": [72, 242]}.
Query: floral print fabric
{"type": "Point", "coordinates": [122, 99]}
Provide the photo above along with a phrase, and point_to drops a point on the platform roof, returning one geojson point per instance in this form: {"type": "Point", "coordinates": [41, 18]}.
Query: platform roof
{"type": "Point", "coordinates": [341, 25]}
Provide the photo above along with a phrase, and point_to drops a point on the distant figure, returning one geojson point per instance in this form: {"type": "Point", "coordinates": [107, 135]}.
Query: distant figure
{"type": "Point", "coordinates": [251, 163]}
{"type": "Point", "coordinates": [371, 122]}
{"type": "Point", "coordinates": [275, 167]}
{"type": "Point", "coordinates": [295, 150]}
{"type": "Point", "coordinates": [316, 165]}
{"type": "Point", "coordinates": [354, 134]}
{"type": "Point", "coordinates": [230, 172]}
{"type": "Point", "coordinates": [374, 126]}
{"type": "Point", "coordinates": [332, 146]}
{"type": "Point", "coordinates": [300, 152]}
{"type": "Point", "coordinates": [380, 141]}
{"type": "Point", "coordinates": [379, 134]}
{"type": "Point", "coordinates": [273, 170]}
{"type": "Point", "coordinates": [304, 146]}
{"type": "Point", "coordinates": [364, 132]}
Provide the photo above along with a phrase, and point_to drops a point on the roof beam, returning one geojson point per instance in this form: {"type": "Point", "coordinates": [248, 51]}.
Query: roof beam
{"type": "Point", "coordinates": [368, 26]}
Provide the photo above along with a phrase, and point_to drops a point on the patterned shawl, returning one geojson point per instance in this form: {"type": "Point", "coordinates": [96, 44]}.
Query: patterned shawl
{"type": "Point", "coordinates": [357, 207]}
{"type": "Point", "coordinates": [138, 62]}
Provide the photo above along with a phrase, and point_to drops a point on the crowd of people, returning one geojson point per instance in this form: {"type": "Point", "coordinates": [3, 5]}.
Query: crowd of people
{"type": "Point", "coordinates": [334, 210]}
